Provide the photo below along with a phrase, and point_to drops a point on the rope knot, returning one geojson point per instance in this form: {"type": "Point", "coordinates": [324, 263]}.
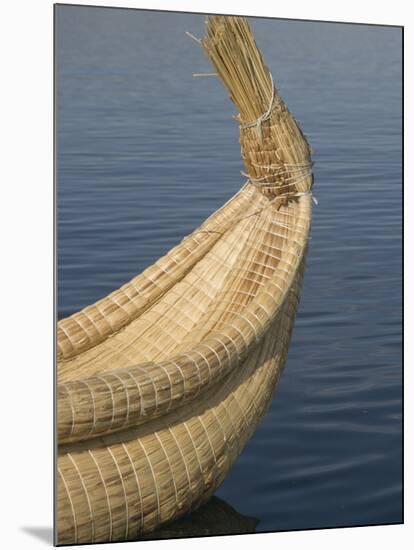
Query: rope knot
{"type": "Point", "coordinates": [257, 124]}
{"type": "Point", "coordinates": [286, 177]}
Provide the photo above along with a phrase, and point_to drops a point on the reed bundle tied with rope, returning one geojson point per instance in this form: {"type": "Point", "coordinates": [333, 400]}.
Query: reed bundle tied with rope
{"type": "Point", "coordinates": [274, 149]}
{"type": "Point", "coordinates": [161, 383]}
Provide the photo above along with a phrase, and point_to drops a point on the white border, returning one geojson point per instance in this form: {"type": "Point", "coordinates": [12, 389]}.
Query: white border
{"type": "Point", "coordinates": [26, 230]}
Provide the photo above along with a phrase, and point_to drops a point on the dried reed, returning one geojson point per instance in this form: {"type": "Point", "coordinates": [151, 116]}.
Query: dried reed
{"type": "Point", "coordinates": [174, 370]}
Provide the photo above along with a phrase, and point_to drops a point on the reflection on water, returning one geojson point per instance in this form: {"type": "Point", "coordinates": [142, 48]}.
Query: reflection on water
{"type": "Point", "coordinates": [146, 152]}
{"type": "Point", "coordinates": [216, 517]}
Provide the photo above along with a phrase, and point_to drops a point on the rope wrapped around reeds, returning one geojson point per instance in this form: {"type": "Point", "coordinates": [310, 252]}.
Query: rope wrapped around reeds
{"type": "Point", "coordinates": [274, 149]}
{"type": "Point", "coordinates": [174, 371]}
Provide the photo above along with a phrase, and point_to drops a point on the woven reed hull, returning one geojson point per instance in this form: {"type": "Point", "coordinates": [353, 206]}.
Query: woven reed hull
{"type": "Point", "coordinates": [94, 324]}
{"type": "Point", "coordinates": [195, 334]}
{"type": "Point", "coordinates": [122, 486]}
{"type": "Point", "coordinates": [161, 383]}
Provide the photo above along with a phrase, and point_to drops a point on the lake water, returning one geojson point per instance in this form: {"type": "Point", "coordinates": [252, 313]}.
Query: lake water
{"type": "Point", "coordinates": [146, 152]}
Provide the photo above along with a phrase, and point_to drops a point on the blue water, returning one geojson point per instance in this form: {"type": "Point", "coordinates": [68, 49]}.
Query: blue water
{"type": "Point", "coordinates": [146, 152]}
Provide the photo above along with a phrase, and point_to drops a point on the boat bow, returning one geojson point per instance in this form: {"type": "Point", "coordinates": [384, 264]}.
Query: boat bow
{"type": "Point", "coordinates": [175, 370]}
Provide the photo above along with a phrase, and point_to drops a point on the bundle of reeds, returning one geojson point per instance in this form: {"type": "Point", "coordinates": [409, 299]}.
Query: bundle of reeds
{"type": "Point", "coordinates": [161, 383]}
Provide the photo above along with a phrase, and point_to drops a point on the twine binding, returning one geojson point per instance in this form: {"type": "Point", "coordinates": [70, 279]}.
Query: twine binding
{"type": "Point", "coordinates": [300, 172]}
{"type": "Point", "coordinates": [265, 116]}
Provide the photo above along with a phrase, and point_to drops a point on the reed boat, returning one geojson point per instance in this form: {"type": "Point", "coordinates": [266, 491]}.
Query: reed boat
{"type": "Point", "coordinates": [161, 383]}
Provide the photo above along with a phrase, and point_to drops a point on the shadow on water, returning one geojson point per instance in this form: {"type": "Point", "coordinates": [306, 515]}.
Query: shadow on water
{"type": "Point", "coordinates": [44, 534]}
{"type": "Point", "coordinates": [216, 517]}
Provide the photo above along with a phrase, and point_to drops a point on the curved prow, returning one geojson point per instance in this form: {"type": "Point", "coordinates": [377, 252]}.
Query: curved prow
{"type": "Point", "coordinates": [175, 392]}
{"type": "Point", "coordinates": [276, 154]}
{"type": "Point", "coordinates": [277, 158]}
